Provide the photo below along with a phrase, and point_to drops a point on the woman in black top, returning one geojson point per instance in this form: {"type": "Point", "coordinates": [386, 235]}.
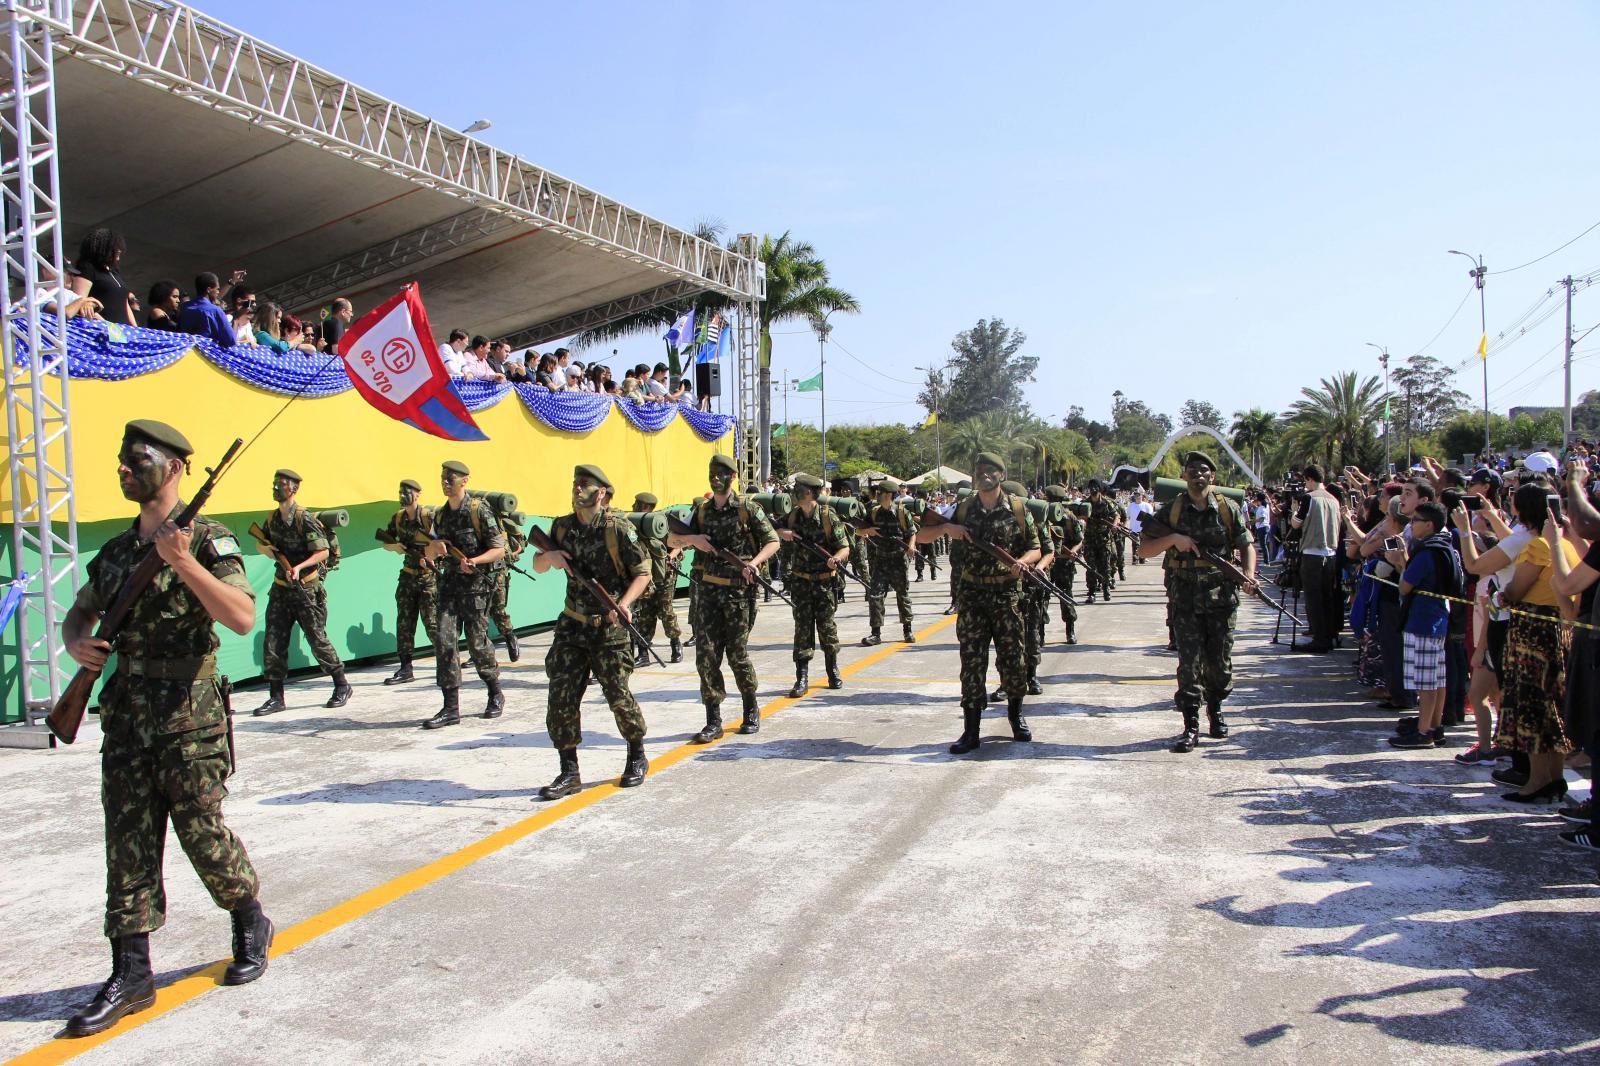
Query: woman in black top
{"type": "Point", "coordinates": [165, 299]}
{"type": "Point", "coordinates": [95, 273]}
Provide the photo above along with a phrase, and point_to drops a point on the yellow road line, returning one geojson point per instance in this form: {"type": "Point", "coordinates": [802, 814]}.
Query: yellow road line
{"type": "Point", "coordinates": [185, 989]}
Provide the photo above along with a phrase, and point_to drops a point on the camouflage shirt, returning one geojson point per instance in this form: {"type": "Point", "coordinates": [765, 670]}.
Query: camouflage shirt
{"type": "Point", "coordinates": [824, 529]}
{"type": "Point", "coordinates": [997, 526]}
{"type": "Point", "coordinates": [895, 528]}
{"type": "Point", "coordinates": [743, 536]}
{"type": "Point", "coordinates": [168, 620]}
{"type": "Point", "coordinates": [297, 539]}
{"type": "Point", "coordinates": [1067, 528]}
{"type": "Point", "coordinates": [472, 528]}
{"type": "Point", "coordinates": [404, 529]}
{"type": "Point", "coordinates": [1208, 529]}
{"type": "Point", "coordinates": [1102, 516]}
{"type": "Point", "coordinates": [591, 548]}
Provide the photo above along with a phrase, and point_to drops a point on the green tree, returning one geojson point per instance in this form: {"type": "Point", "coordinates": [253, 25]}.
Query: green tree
{"type": "Point", "coordinates": [989, 370]}
{"type": "Point", "coordinates": [1201, 413]}
{"type": "Point", "coordinates": [1093, 432]}
{"type": "Point", "coordinates": [1136, 426]}
{"type": "Point", "coordinates": [1425, 394]}
{"type": "Point", "coordinates": [1250, 433]}
{"type": "Point", "coordinates": [1333, 421]}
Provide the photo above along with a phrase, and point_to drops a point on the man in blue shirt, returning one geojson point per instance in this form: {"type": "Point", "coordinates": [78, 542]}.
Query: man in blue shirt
{"type": "Point", "coordinates": [1432, 567]}
{"type": "Point", "coordinates": [204, 316]}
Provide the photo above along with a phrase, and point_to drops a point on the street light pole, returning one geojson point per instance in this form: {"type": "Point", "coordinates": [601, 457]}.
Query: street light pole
{"type": "Point", "coordinates": [937, 387]}
{"type": "Point", "coordinates": [820, 324]}
{"type": "Point", "coordinates": [1476, 274]}
{"type": "Point", "coordinates": [1383, 358]}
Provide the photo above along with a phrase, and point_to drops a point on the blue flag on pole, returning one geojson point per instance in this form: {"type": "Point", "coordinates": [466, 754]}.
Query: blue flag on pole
{"type": "Point", "coordinates": [681, 335]}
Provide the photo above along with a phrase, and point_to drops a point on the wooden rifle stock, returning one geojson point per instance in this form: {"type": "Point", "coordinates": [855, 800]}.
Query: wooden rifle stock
{"type": "Point", "coordinates": [1155, 527]}
{"type": "Point", "coordinates": [541, 540]}
{"type": "Point", "coordinates": [679, 527]}
{"type": "Point", "coordinates": [66, 717]}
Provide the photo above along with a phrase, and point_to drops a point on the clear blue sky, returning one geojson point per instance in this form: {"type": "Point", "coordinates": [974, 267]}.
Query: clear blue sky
{"type": "Point", "coordinates": [1221, 204]}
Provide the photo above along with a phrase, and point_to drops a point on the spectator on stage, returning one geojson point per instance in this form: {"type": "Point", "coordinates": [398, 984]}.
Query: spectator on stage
{"type": "Point", "coordinates": [575, 375]}
{"type": "Point", "coordinates": [548, 375]}
{"type": "Point", "coordinates": [294, 335]}
{"type": "Point", "coordinates": [656, 384]}
{"type": "Point", "coordinates": [340, 315]}
{"type": "Point", "coordinates": [267, 327]}
{"type": "Point", "coordinates": [476, 362]}
{"type": "Point", "coordinates": [204, 315]}
{"type": "Point", "coordinates": [631, 389]}
{"type": "Point", "coordinates": [51, 295]}
{"type": "Point", "coordinates": [166, 300]}
{"type": "Point", "coordinates": [451, 353]}
{"type": "Point", "coordinates": [501, 363]}
{"type": "Point", "coordinates": [96, 273]}
{"type": "Point", "coordinates": [242, 313]}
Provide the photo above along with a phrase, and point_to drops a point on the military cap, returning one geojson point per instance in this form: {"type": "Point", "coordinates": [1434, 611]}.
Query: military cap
{"type": "Point", "coordinates": [593, 473]}
{"type": "Point", "coordinates": [808, 481]}
{"type": "Point", "coordinates": [882, 486]}
{"type": "Point", "coordinates": [161, 435]}
{"type": "Point", "coordinates": [412, 485]}
{"type": "Point", "coordinates": [646, 498]}
{"type": "Point", "coordinates": [992, 460]}
{"type": "Point", "coordinates": [455, 466]}
{"type": "Point", "coordinates": [724, 462]}
{"type": "Point", "coordinates": [1016, 488]}
{"type": "Point", "coordinates": [284, 471]}
{"type": "Point", "coordinates": [1057, 493]}
{"type": "Point", "coordinates": [1094, 485]}
{"type": "Point", "coordinates": [1199, 457]}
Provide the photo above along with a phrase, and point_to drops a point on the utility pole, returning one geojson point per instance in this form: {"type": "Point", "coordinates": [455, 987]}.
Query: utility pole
{"type": "Point", "coordinates": [1476, 274]}
{"type": "Point", "coordinates": [936, 386]}
{"type": "Point", "coordinates": [1383, 359]}
{"type": "Point", "coordinates": [1566, 417]}
{"type": "Point", "coordinates": [820, 324]}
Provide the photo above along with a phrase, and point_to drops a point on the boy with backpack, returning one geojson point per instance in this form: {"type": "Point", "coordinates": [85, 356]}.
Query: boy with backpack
{"type": "Point", "coordinates": [1433, 567]}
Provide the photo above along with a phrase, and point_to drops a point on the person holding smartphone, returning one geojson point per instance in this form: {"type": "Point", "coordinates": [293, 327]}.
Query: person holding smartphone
{"type": "Point", "coordinates": [1429, 572]}
{"type": "Point", "coordinates": [1581, 707]}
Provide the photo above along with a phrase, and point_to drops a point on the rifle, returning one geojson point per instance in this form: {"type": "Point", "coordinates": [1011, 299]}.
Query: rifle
{"type": "Point", "coordinates": [1153, 527]}
{"type": "Point", "coordinates": [66, 717]}
{"type": "Point", "coordinates": [934, 519]}
{"type": "Point", "coordinates": [541, 540]}
{"type": "Point", "coordinates": [679, 527]}
{"type": "Point", "coordinates": [283, 565]}
{"type": "Point", "coordinates": [862, 525]}
{"type": "Point", "coordinates": [823, 553]}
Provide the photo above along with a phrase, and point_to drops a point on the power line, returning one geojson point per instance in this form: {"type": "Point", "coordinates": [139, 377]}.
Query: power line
{"type": "Point", "coordinates": [869, 366]}
{"type": "Point", "coordinates": [1464, 298]}
{"type": "Point", "coordinates": [1548, 254]}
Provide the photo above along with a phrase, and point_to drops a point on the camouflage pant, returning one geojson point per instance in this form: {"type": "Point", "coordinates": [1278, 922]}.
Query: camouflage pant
{"type": "Point", "coordinates": [1064, 573]}
{"type": "Point", "coordinates": [575, 651]}
{"type": "Point", "coordinates": [1203, 615]}
{"type": "Point", "coordinates": [720, 616]}
{"type": "Point", "coordinates": [1097, 563]}
{"type": "Point", "coordinates": [498, 614]}
{"type": "Point", "coordinates": [286, 608]}
{"type": "Point", "coordinates": [149, 780]}
{"type": "Point", "coordinates": [813, 618]}
{"type": "Point", "coordinates": [1035, 609]}
{"type": "Point", "coordinates": [990, 612]}
{"type": "Point", "coordinates": [1121, 543]}
{"type": "Point", "coordinates": [889, 574]}
{"type": "Point", "coordinates": [464, 603]}
{"type": "Point", "coordinates": [656, 605]}
{"type": "Point", "coordinates": [926, 556]}
{"type": "Point", "coordinates": [416, 594]}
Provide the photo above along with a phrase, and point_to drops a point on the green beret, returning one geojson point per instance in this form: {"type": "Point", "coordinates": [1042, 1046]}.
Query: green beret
{"type": "Point", "coordinates": [1016, 488]}
{"type": "Point", "coordinates": [593, 473]}
{"type": "Point", "coordinates": [725, 463]}
{"type": "Point", "coordinates": [646, 498]}
{"type": "Point", "coordinates": [808, 481]}
{"type": "Point", "coordinates": [161, 435]}
{"type": "Point", "coordinates": [1199, 457]}
{"type": "Point", "coordinates": [286, 472]}
{"type": "Point", "coordinates": [1058, 493]}
{"type": "Point", "coordinates": [412, 485]}
{"type": "Point", "coordinates": [882, 486]}
{"type": "Point", "coordinates": [991, 459]}
{"type": "Point", "coordinates": [454, 466]}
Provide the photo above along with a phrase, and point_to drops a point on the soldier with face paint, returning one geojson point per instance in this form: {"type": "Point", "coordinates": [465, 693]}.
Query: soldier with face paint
{"type": "Point", "coordinates": [165, 757]}
{"type": "Point", "coordinates": [295, 534]}
{"type": "Point", "coordinates": [466, 589]}
{"type": "Point", "coordinates": [811, 580]}
{"type": "Point", "coordinates": [887, 540]}
{"type": "Point", "coordinates": [417, 592]}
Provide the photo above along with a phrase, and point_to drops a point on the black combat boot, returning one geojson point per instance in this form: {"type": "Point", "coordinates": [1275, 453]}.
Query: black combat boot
{"type": "Point", "coordinates": [998, 695]}
{"type": "Point", "coordinates": [1019, 724]}
{"type": "Point", "coordinates": [641, 655]}
{"type": "Point", "coordinates": [751, 722]}
{"type": "Point", "coordinates": [513, 649]}
{"type": "Point", "coordinates": [871, 638]}
{"type": "Point", "coordinates": [969, 732]}
{"type": "Point", "coordinates": [677, 651]}
{"type": "Point", "coordinates": [910, 637]}
{"type": "Point", "coordinates": [1106, 595]}
{"type": "Point", "coordinates": [449, 714]}
{"type": "Point", "coordinates": [497, 701]}
{"type": "Point", "coordinates": [401, 675]}
{"type": "Point", "coordinates": [274, 702]}
{"type": "Point", "coordinates": [341, 691]}
{"type": "Point", "coordinates": [130, 988]}
{"type": "Point", "coordinates": [635, 768]}
{"type": "Point", "coordinates": [830, 662]}
{"type": "Point", "coordinates": [713, 729]}
{"type": "Point", "coordinates": [802, 680]}
{"type": "Point", "coordinates": [1189, 739]}
{"type": "Point", "coordinates": [1219, 725]}
{"type": "Point", "coordinates": [1034, 688]}
{"type": "Point", "coordinates": [252, 936]}
{"type": "Point", "coordinates": [933, 568]}
{"type": "Point", "coordinates": [567, 781]}
{"type": "Point", "coordinates": [1072, 631]}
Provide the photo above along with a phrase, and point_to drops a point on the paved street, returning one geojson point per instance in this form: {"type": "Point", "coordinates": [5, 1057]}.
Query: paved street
{"type": "Point", "coordinates": [839, 889]}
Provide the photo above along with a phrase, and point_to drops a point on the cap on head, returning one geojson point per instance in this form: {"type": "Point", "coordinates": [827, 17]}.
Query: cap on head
{"type": "Point", "coordinates": [1016, 488]}
{"type": "Point", "coordinates": [645, 499]}
{"type": "Point", "coordinates": [285, 472]}
{"type": "Point", "coordinates": [1540, 463]}
{"type": "Point", "coordinates": [455, 466]}
{"type": "Point", "coordinates": [410, 485]}
{"type": "Point", "coordinates": [990, 459]}
{"type": "Point", "coordinates": [1057, 493]}
{"type": "Point", "coordinates": [593, 473]}
{"type": "Point", "coordinates": [808, 481]}
{"type": "Point", "coordinates": [1484, 476]}
{"type": "Point", "coordinates": [1200, 459]}
{"type": "Point", "coordinates": [724, 462]}
{"type": "Point", "coordinates": [882, 487]}
{"type": "Point", "coordinates": [160, 434]}
{"type": "Point", "coordinates": [1094, 485]}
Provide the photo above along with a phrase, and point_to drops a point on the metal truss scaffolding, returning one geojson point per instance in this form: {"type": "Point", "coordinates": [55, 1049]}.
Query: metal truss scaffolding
{"type": "Point", "coordinates": [43, 508]}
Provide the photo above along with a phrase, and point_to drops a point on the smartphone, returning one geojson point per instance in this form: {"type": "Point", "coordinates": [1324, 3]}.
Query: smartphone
{"type": "Point", "coordinates": [1555, 507]}
{"type": "Point", "coordinates": [1473, 502]}
{"type": "Point", "coordinates": [1391, 544]}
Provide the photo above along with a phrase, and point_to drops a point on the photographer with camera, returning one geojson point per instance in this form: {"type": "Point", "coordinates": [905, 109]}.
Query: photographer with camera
{"type": "Point", "coordinates": [1318, 520]}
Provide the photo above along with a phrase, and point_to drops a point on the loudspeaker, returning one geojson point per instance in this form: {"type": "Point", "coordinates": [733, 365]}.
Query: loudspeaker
{"type": "Point", "coordinates": [707, 379]}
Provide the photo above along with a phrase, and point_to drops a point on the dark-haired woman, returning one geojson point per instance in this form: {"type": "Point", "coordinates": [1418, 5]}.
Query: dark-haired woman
{"type": "Point", "coordinates": [96, 273]}
{"type": "Point", "coordinates": [165, 299]}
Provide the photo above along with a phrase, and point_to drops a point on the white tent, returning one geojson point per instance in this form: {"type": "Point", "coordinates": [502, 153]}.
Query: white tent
{"type": "Point", "coordinates": [872, 477]}
{"type": "Point", "coordinates": [946, 474]}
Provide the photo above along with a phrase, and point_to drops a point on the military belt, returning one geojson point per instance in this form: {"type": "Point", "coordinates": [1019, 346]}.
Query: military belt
{"type": "Point", "coordinates": [815, 575]}
{"type": "Point", "coordinates": [713, 579]}
{"type": "Point", "coordinates": [585, 619]}
{"type": "Point", "coordinates": [195, 669]}
{"type": "Point", "coordinates": [281, 583]}
{"type": "Point", "coordinates": [1190, 564]}
{"type": "Point", "coordinates": [992, 579]}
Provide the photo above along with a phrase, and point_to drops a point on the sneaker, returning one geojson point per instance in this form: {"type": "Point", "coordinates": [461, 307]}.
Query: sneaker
{"type": "Point", "coordinates": [1408, 724]}
{"type": "Point", "coordinates": [1476, 755]}
{"type": "Point", "coordinates": [1439, 739]}
{"type": "Point", "coordinates": [1584, 839]}
{"type": "Point", "coordinates": [1580, 814]}
{"type": "Point", "coordinates": [1412, 740]}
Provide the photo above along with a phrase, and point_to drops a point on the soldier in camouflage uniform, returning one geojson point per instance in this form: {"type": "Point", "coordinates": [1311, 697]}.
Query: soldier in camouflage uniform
{"type": "Point", "coordinates": [1035, 603]}
{"type": "Point", "coordinates": [1203, 599]}
{"type": "Point", "coordinates": [166, 752]}
{"type": "Point", "coordinates": [1067, 531]}
{"type": "Point", "coordinates": [466, 587]}
{"type": "Point", "coordinates": [600, 544]}
{"type": "Point", "coordinates": [723, 594]}
{"type": "Point", "coordinates": [989, 596]}
{"type": "Point", "coordinates": [658, 601]}
{"type": "Point", "coordinates": [811, 580]}
{"type": "Point", "coordinates": [1101, 530]}
{"type": "Point", "coordinates": [927, 554]}
{"type": "Point", "coordinates": [417, 592]}
{"type": "Point", "coordinates": [499, 612]}
{"type": "Point", "coordinates": [888, 541]}
{"type": "Point", "coordinates": [295, 534]}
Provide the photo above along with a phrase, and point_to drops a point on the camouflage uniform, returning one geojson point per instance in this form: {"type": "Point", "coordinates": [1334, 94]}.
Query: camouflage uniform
{"type": "Point", "coordinates": [464, 599]}
{"type": "Point", "coordinates": [296, 540]}
{"type": "Point", "coordinates": [889, 570]}
{"type": "Point", "coordinates": [417, 592]}
{"type": "Point", "coordinates": [1036, 608]}
{"type": "Point", "coordinates": [1067, 532]}
{"type": "Point", "coordinates": [583, 642]}
{"type": "Point", "coordinates": [925, 552]}
{"type": "Point", "coordinates": [657, 604]}
{"type": "Point", "coordinates": [1097, 550]}
{"type": "Point", "coordinates": [499, 613]}
{"type": "Point", "coordinates": [165, 754]}
{"type": "Point", "coordinates": [989, 600]}
{"type": "Point", "coordinates": [1204, 602]}
{"type": "Point", "coordinates": [811, 583]}
{"type": "Point", "coordinates": [723, 602]}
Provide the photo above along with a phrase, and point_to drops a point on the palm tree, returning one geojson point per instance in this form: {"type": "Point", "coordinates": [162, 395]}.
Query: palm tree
{"type": "Point", "coordinates": [1339, 415]}
{"type": "Point", "coordinates": [1251, 431]}
{"type": "Point", "coordinates": [967, 440]}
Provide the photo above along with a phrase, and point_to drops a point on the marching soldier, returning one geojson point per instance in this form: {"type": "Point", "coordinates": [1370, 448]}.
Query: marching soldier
{"type": "Point", "coordinates": [599, 544]}
{"type": "Point", "coordinates": [167, 750]}
{"type": "Point", "coordinates": [888, 540]}
{"type": "Point", "coordinates": [1067, 532]}
{"type": "Point", "coordinates": [499, 613]}
{"type": "Point", "coordinates": [926, 553]}
{"type": "Point", "coordinates": [1101, 530]}
{"type": "Point", "coordinates": [658, 601]}
{"type": "Point", "coordinates": [468, 525]}
{"type": "Point", "coordinates": [417, 592]}
{"type": "Point", "coordinates": [1035, 603]}
{"type": "Point", "coordinates": [989, 596]}
{"type": "Point", "coordinates": [1203, 599]}
{"type": "Point", "coordinates": [721, 608]}
{"type": "Point", "coordinates": [812, 578]}
{"type": "Point", "coordinates": [297, 541]}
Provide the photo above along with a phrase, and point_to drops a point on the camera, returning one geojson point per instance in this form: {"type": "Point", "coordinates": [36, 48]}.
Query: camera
{"type": "Point", "coordinates": [1473, 502]}
{"type": "Point", "coordinates": [1391, 544]}
{"type": "Point", "coordinates": [1554, 503]}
